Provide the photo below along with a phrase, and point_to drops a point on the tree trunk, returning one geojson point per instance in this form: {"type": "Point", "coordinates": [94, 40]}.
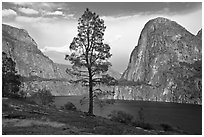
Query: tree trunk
{"type": "Point", "coordinates": [90, 94]}
{"type": "Point", "coordinates": [90, 100]}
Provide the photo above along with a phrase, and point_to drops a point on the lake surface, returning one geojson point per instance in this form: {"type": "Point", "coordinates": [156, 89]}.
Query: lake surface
{"type": "Point", "coordinates": [187, 117]}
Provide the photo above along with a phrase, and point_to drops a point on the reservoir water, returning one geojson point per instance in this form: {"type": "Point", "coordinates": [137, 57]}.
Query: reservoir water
{"type": "Point", "coordinates": [187, 117]}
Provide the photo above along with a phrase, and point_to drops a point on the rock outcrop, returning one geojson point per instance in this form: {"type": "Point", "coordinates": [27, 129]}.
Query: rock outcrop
{"type": "Point", "coordinates": [159, 57]}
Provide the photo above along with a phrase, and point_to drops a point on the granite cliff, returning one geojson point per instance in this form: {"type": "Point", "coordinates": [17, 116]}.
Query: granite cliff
{"type": "Point", "coordinates": [18, 45]}
{"type": "Point", "coordinates": [37, 70]}
{"type": "Point", "coordinates": [164, 56]}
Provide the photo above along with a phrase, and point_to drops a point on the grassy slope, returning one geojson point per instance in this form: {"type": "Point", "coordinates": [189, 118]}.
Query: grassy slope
{"type": "Point", "coordinates": [20, 117]}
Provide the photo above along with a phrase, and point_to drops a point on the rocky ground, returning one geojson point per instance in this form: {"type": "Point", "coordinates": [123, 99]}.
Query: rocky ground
{"type": "Point", "coordinates": [20, 117]}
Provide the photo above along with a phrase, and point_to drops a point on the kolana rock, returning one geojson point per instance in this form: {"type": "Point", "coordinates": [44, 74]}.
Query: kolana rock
{"type": "Point", "coordinates": [158, 62]}
{"type": "Point", "coordinates": [165, 41]}
{"type": "Point", "coordinates": [37, 70]}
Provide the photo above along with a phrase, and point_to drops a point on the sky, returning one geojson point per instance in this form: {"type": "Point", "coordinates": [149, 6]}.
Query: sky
{"type": "Point", "coordinates": [54, 25]}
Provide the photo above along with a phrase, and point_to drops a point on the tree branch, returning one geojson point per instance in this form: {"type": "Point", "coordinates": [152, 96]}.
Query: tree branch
{"type": "Point", "coordinates": [84, 81]}
{"type": "Point", "coordinates": [75, 73]}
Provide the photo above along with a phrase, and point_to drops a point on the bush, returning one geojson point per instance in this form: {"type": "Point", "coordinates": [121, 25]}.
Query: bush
{"type": "Point", "coordinates": [102, 103]}
{"type": "Point", "coordinates": [6, 107]}
{"type": "Point", "coordinates": [143, 125]}
{"type": "Point", "coordinates": [166, 127]}
{"type": "Point", "coordinates": [42, 97]}
{"type": "Point", "coordinates": [110, 101]}
{"type": "Point", "coordinates": [141, 115]}
{"type": "Point", "coordinates": [10, 79]}
{"type": "Point", "coordinates": [121, 116]}
{"type": "Point", "coordinates": [69, 106]}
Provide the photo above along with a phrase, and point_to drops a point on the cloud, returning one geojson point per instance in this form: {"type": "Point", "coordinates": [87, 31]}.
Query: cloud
{"type": "Point", "coordinates": [70, 15]}
{"type": "Point", "coordinates": [163, 11]}
{"type": "Point", "coordinates": [112, 38]}
{"type": "Point", "coordinates": [28, 11]}
{"type": "Point", "coordinates": [48, 6]}
{"type": "Point", "coordinates": [34, 19]}
{"type": "Point", "coordinates": [116, 19]}
{"type": "Point", "coordinates": [35, 4]}
{"type": "Point", "coordinates": [55, 13]}
{"type": "Point", "coordinates": [22, 3]}
{"type": "Point", "coordinates": [63, 49]}
{"type": "Point", "coordinates": [8, 12]}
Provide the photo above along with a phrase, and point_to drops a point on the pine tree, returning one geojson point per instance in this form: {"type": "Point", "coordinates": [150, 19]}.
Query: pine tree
{"type": "Point", "coordinates": [89, 55]}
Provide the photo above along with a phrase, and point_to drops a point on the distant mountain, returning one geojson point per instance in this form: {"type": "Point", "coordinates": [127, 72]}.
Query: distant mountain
{"type": "Point", "coordinates": [38, 70]}
{"type": "Point", "coordinates": [56, 57]}
{"type": "Point", "coordinates": [158, 60]}
{"type": "Point", "coordinates": [53, 54]}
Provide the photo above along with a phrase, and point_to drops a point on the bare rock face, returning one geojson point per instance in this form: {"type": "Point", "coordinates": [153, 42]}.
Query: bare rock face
{"type": "Point", "coordinates": [23, 50]}
{"type": "Point", "coordinates": [163, 46]}
{"type": "Point", "coordinates": [36, 68]}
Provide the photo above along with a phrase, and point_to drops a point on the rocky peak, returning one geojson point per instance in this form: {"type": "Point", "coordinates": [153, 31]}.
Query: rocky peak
{"type": "Point", "coordinates": [162, 43]}
{"type": "Point", "coordinates": [162, 23]}
{"type": "Point", "coordinates": [17, 34]}
{"type": "Point", "coordinates": [166, 55]}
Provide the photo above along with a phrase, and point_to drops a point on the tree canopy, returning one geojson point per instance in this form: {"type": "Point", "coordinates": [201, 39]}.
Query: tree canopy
{"type": "Point", "coordinates": [10, 80]}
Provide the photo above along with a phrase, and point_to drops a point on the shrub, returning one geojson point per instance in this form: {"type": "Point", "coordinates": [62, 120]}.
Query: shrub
{"type": "Point", "coordinates": [69, 106]}
{"type": "Point", "coordinates": [6, 107]}
{"type": "Point", "coordinates": [110, 101]}
{"type": "Point", "coordinates": [141, 115]}
{"type": "Point", "coordinates": [166, 127]}
{"type": "Point", "coordinates": [121, 116]}
{"type": "Point", "coordinates": [42, 97]}
{"type": "Point", "coordinates": [143, 125]}
{"type": "Point", "coordinates": [141, 121]}
{"type": "Point", "coordinates": [10, 79]}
